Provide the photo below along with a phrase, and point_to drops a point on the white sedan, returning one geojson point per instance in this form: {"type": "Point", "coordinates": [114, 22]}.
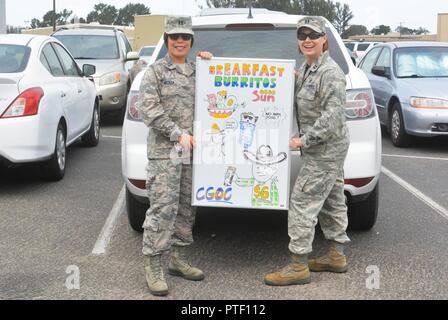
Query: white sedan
{"type": "Point", "coordinates": [46, 103]}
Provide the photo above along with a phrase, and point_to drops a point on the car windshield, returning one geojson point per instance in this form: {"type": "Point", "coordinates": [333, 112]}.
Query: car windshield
{"type": "Point", "coordinates": [421, 62]}
{"type": "Point", "coordinates": [13, 58]}
{"type": "Point", "coordinates": [258, 44]}
{"type": "Point", "coordinates": [90, 46]}
{"type": "Point", "coordinates": [147, 51]}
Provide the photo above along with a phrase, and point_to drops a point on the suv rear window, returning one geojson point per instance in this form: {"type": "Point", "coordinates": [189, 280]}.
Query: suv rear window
{"type": "Point", "coordinates": [13, 58]}
{"type": "Point", "coordinates": [90, 46]}
{"type": "Point", "coordinates": [259, 44]}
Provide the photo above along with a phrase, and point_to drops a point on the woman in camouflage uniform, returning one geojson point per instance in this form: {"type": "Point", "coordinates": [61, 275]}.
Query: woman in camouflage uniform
{"type": "Point", "coordinates": [318, 193]}
{"type": "Point", "coordinates": [167, 98]}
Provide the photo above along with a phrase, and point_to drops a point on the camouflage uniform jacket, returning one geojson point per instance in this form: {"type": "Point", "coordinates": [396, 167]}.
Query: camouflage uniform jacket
{"type": "Point", "coordinates": [166, 103]}
{"type": "Point", "coordinates": [321, 98]}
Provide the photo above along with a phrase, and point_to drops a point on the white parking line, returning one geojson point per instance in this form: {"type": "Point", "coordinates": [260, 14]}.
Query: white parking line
{"type": "Point", "coordinates": [111, 137]}
{"type": "Point", "coordinates": [108, 228]}
{"type": "Point", "coordinates": [417, 193]}
{"type": "Point", "coordinates": [414, 157]}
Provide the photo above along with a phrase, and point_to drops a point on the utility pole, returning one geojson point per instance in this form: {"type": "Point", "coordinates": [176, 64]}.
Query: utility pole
{"type": "Point", "coordinates": [3, 28]}
{"type": "Point", "coordinates": [54, 15]}
{"type": "Point", "coordinates": [401, 26]}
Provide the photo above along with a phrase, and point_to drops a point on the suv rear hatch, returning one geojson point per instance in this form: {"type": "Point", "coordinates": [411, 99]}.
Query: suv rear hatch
{"type": "Point", "coordinates": [261, 40]}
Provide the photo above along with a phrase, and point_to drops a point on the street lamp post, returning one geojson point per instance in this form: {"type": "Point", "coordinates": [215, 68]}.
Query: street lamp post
{"type": "Point", "coordinates": [401, 27]}
{"type": "Point", "coordinates": [3, 28]}
{"type": "Point", "coordinates": [54, 15]}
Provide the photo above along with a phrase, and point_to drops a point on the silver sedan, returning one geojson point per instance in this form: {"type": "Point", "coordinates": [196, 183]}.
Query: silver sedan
{"type": "Point", "coordinates": [409, 81]}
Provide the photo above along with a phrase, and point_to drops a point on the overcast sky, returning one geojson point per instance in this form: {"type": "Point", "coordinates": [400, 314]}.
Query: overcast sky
{"type": "Point", "coordinates": [412, 13]}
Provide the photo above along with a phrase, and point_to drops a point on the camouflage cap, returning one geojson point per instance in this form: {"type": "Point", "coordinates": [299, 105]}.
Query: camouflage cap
{"type": "Point", "coordinates": [178, 24]}
{"type": "Point", "coordinates": [314, 23]}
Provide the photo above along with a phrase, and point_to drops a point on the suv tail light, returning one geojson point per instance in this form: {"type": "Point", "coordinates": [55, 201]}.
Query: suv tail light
{"type": "Point", "coordinates": [141, 184]}
{"type": "Point", "coordinates": [358, 183]}
{"type": "Point", "coordinates": [360, 104]}
{"type": "Point", "coordinates": [132, 110]}
{"type": "Point", "coordinates": [26, 104]}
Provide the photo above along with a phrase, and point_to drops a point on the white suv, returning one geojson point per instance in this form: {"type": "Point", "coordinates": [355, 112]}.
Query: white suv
{"type": "Point", "coordinates": [359, 49]}
{"type": "Point", "coordinates": [269, 35]}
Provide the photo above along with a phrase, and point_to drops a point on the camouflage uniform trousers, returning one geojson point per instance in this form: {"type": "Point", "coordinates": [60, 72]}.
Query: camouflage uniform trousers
{"type": "Point", "coordinates": [318, 195]}
{"type": "Point", "coordinates": [170, 218]}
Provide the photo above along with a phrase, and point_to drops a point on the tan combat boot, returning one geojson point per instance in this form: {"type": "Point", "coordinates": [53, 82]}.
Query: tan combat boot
{"type": "Point", "coordinates": [155, 277]}
{"type": "Point", "coordinates": [333, 261]}
{"type": "Point", "coordinates": [179, 265]}
{"type": "Point", "coordinates": [296, 272]}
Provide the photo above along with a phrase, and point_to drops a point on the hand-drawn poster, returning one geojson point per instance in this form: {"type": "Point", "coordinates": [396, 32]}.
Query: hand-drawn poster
{"type": "Point", "coordinates": [243, 120]}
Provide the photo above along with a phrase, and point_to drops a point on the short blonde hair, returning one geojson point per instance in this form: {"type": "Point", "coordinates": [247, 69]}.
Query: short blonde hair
{"type": "Point", "coordinates": [326, 45]}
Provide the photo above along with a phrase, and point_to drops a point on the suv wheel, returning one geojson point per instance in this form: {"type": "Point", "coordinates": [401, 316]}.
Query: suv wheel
{"type": "Point", "coordinates": [136, 211]}
{"type": "Point", "coordinates": [398, 133]}
{"type": "Point", "coordinates": [362, 215]}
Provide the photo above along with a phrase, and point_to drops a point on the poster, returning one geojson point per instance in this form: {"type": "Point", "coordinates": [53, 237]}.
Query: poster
{"type": "Point", "coordinates": [243, 120]}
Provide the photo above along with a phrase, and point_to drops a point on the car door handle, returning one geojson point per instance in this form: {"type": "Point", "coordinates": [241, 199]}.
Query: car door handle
{"type": "Point", "coordinates": [79, 90]}
{"type": "Point", "coordinates": [63, 95]}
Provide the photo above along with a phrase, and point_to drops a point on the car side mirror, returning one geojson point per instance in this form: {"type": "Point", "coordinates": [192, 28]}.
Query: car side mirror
{"type": "Point", "coordinates": [381, 71]}
{"type": "Point", "coordinates": [131, 56]}
{"type": "Point", "coordinates": [88, 70]}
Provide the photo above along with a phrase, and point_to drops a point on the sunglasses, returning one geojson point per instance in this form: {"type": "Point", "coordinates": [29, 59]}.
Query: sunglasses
{"type": "Point", "coordinates": [185, 37]}
{"type": "Point", "coordinates": [312, 35]}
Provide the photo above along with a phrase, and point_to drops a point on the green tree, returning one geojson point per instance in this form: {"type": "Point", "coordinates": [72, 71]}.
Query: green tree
{"type": "Point", "coordinates": [325, 8]}
{"type": "Point", "coordinates": [79, 20]}
{"type": "Point", "coordinates": [355, 30]}
{"type": "Point", "coordinates": [127, 13]}
{"type": "Point", "coordinates": [280, 5]}
{"type": "Point", "coordinates": [92, 16]}
{"type": "Point", "coordinates": [47, 19]}
{"type": "Point", "coordinates": [343, 17]}
{"type": "Point", "coordinates": [381, 29]}
{"type": "Point", "coordinates": [421, 31]}
{"type": "Point", "coordinates": [12, 29]}
{"type": "Point", "coordinates": [63, 16]}
{"type": "Point", "coordinates": [103, 14]}
{"type": "Point", "coordinates": [35, 23]}
{"type": "Point", "coordinates": [404, 31]}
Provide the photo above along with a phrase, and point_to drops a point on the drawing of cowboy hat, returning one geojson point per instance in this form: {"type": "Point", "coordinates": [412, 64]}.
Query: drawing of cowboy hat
{"type": "Point", "coordinates": [265, 156]}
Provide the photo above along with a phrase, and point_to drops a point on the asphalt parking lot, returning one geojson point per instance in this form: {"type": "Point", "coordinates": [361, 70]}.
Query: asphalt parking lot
{"type": "Point", "coordinates": [49, 233]}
